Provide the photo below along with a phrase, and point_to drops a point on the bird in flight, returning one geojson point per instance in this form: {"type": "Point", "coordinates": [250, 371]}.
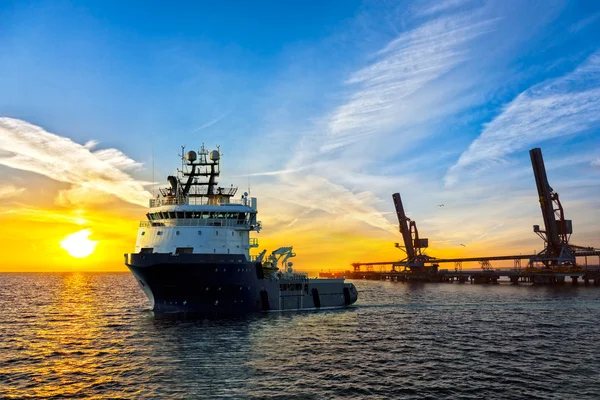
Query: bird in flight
{"type": "Point", "coordinates": [440, 205]}
{"type": "Point", "coordinates": [463, 245]}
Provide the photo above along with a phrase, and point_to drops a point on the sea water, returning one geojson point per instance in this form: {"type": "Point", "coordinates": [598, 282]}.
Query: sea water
{"type": "Point", "coordinates": [79, 335]}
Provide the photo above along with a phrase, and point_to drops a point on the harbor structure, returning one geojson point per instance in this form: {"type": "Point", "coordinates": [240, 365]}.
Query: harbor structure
{"type": "Point", "coordinates": [558, 260]}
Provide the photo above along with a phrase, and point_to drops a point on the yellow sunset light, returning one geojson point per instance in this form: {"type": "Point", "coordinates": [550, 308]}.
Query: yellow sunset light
{"type": "Point", "coordinates": [78, 244]}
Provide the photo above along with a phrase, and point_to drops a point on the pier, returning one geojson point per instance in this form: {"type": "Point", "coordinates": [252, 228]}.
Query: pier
{"type": "Point", "coordinates": [588, 276]}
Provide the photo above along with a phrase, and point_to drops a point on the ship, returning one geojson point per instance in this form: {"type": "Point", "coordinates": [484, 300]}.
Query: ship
{"type": "Point", "coordinates": [193, 252]}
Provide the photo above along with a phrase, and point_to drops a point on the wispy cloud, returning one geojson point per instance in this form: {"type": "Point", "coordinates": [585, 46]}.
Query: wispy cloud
{"type": "Point", "coordinates": [80, 195]}
{"type": "Point", "coordinates": [401, 69]}
{"type": "Point", "coordinates": [585, 22]}
{"type": "Point", "coordinates": [435, 7]}
{"type": "Point", "coordinates": [211, 123]}
{"type": "Point", "coordinates": [45, 215]}
{"type": "Point", "coordinates": [596, 162]}
{"type": "Point", "coordinates": [404, 84]}
{"type": "Point", "coordinates": [275, 173]}
{"type": "Point", "coordinates": [317, 193]}
{"type": "Point", "coordinates": [30, 148]}
{"type": "Point", "coordinates": [7, 191]}
{"type": "Point", "coordinates": [554, 108]}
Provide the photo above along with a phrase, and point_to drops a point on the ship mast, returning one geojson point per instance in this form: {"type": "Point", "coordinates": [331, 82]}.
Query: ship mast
{"type": "Point", "coordinates": [197, 178]}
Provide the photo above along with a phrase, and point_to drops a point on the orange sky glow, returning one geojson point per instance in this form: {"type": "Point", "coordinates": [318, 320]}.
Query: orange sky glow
{"type": "Point", "coordinates": [32, 236]}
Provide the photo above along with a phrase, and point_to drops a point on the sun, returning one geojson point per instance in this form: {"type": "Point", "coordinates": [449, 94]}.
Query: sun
{"type": "Point", "coordinates": [78, 244]}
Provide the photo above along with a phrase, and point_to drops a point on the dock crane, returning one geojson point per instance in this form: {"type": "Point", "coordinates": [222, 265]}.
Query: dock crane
{"type": "Point", "coordinates": [558, 252]}
{"type": "Point", "coordinates": [413, 244]}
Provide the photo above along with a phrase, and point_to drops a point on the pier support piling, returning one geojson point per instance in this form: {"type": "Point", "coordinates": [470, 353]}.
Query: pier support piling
{"type": "Point", "coordinates": [574, 280]}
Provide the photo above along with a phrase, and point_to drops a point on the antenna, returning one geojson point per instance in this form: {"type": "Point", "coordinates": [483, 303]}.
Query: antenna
{"type": "Point", "coordinates": [153, 183]}
{"type": "Point", "coordinates": [248, 177]}
{"type": "Point", "coordinates": [182, 155]}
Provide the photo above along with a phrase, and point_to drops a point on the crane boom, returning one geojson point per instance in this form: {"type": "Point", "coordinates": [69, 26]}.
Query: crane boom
{"type": "Point", "coordinates": [545, 194]}
{"type": "Point", "coordinates": [404, 228]}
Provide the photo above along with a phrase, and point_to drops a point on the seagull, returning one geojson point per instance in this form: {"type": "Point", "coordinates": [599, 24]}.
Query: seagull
{"type": "Point", "coordinates": [440, 205]}
{"type": "Point", "coordinates": [463, 245]}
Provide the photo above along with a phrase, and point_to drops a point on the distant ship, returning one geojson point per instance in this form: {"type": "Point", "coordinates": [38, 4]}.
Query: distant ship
{"type": "Point", "coordinates": [192, 254]}
{"type": "Point", "coordinates": [331, 275]}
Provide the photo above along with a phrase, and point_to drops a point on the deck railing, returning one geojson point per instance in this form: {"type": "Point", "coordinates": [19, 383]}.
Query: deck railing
{"type": "Point", "coordinates": [230, 223]}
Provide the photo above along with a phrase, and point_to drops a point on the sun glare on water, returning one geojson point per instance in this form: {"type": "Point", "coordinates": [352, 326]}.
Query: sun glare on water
{"type": "Point", "coordinates": [78, 244]}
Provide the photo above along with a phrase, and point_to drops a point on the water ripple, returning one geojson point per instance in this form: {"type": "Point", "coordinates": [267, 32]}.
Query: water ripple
{"type": "Point", "coordinates": [92, 335]}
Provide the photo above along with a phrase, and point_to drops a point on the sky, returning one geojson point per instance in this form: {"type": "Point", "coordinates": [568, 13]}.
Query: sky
{"type": "Point", "coordinates": [322, 110]}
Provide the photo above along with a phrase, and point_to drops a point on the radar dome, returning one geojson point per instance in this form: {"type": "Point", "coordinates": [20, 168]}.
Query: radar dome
{"type": "Point", "coordinates": [214, 155]}
{"type": "Point", "coordinates": [191, 156]}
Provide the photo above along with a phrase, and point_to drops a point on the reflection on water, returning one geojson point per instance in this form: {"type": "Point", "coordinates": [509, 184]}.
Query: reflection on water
{"type": "Point", "coordinates": [93, 335]}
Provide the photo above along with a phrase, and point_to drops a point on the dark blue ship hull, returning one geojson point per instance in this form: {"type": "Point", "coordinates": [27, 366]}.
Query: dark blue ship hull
{"type": "Point", "coordinates": [214, 284]}
{"type": "Point", "coordinates": [223, 284]}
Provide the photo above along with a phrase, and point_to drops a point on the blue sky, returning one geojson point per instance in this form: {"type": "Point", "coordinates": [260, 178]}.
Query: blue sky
{"type": "Point", "coordinates": [323, 108]}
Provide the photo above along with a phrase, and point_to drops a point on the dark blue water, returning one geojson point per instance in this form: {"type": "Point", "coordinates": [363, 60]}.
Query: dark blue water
{"type": "Point", "coordinates": [93, 335]}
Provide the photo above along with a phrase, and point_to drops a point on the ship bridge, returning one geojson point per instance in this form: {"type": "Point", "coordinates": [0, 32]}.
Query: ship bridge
{"type": "Point", "coordinates": [195, 215]}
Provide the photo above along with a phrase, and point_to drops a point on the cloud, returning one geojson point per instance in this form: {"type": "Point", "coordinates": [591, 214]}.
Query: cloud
{"type": "Point", "coordinates": [279, 172]}
{"type": "Point", "coordinates": [557, 107]}
{"type": "Point", "coordinates": [7, 191]}
{"type": "Point", "coordinates": [80, 195]}
{"type": "Point", "coordinates": [596, 162]}
{"type": "Point", "coordinates": [30, 148]}
{"type": "Point", "coordinates": [407, 82]}
{"type": "Point", "coordinates": [441, 6]}
{"type": "Point", "coordinates": [584, 23]}
{"type": "Point", "coordinates": [211, 123]}
{"type": "Point", "coordinates": [46, 216]}
{"type": "Point", "coordinates": [320, 194]}
{"type": "Point", "coordinates": [402, 68]}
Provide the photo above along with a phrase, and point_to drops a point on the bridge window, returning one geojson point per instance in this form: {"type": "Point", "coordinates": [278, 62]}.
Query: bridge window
{"type": "Point", "coordinates": [172, 214]}
{"type": "Point", "coordinates": [180, 214]}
